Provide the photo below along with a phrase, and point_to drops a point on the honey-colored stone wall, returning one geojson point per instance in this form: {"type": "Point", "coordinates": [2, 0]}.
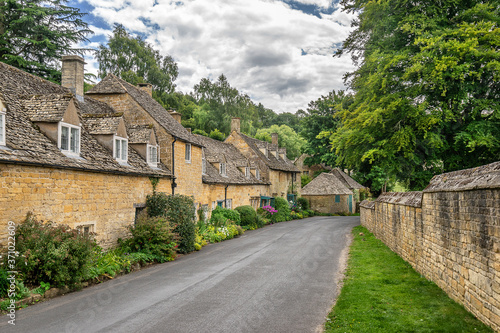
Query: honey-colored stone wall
{"type": "Point", "coordinates": [327, 204]}
{"type": "Point", "coordinates": [453, 239]}
{"type": "Point", "coordinates": [241, 195]}
{"type": "Point", "coordinates": [73, 198]}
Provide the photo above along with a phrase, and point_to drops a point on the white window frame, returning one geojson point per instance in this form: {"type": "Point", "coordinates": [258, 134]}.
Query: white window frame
{"type": "Point", "coordinates": [247, 172]}
{"type": "Point", "coordinates": [3, 120]}
{"type": "Point", "coordinates": [188, 153]}
{"type": "Point", "coordinates": [70, 127]}
{"type": "Point", "coordinates": [118, 149]}
{"type": "Point", "coordinates": [257, 173]}
{"type": "Point", "coordinates": [222, 169]}
{"type": "Point", "coordinates": [149, 158]}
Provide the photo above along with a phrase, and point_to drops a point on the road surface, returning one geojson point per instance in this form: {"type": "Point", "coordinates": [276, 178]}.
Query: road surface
{"type": "Point", "coordinates": [281, 278]}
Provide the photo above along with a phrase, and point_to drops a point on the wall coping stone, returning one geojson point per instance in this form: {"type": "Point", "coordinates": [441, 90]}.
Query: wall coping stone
{"type": "Point", "coordinates": [413, 199]}
{"type": "Point", "coordinates": [367, 204]}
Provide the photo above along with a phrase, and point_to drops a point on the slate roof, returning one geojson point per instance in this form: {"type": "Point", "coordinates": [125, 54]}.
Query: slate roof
{"type": "Point", "coordinates": [483, 177]}
{"type": "Point", "coordinates": [325, 184]}
{"type": "Point", "coordinates": [112, 84]}
{"type": "Point", "coordinates": [272, 162]}
{"type": "Point", "coordinates": [217, 151]}
{"type": "Point", "coordinates": [102, 125]}
{"type": "Point", "coordinates": [47, 108]}
{"type": "Point", "coordinates": [26, 144]}
{"type": "Point", "coordinates": [139, 133]}
{"type": "Point", "coordinates": [346, 179]}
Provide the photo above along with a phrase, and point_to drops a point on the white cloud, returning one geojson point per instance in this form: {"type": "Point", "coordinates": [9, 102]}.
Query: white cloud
{"type": "Point", "coordinates": [257, 44]}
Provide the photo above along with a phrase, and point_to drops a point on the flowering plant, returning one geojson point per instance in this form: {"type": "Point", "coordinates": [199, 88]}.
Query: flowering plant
{"type": "Point", "coordinates": [269, 209]}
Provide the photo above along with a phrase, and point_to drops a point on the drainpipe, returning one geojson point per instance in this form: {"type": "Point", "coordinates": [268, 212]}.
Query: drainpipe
{"type": "Point", "coordinates": [225, 196]}
{"type": "Point", "coordinates": [174, 184]}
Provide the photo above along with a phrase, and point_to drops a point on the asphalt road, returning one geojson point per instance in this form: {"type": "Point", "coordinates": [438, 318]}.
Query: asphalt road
{"type": "Point", "coordinates": [281, 278]}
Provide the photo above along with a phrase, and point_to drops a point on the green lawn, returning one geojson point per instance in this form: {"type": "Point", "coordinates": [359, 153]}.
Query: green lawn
{"type": "Point", "coordinates": [382, 293]}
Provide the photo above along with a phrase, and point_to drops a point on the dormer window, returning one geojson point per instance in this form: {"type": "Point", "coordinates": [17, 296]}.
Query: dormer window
{"type": "Point", "coordinates": [188, 153]}
{"type": "Point", "coordinates": [69, 138]}
{"type": "Point", "coordinates": [257, 173]}
{"type": "Point", "coordinates": [222, 169]}
{"type": "Point", "coordinates": [152, 156]}
{"type": "Point", "coordinates": [2, 128]}
{"type": "Point", "coordinates": [203, 163]}
{"type": "Point", "coordinates": [247, 172]}
{"type": "Point", "coordinates": [120, 149]}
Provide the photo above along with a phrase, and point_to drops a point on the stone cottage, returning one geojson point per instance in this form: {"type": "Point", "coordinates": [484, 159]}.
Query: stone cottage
{"type": "Point", "coordinates": [67, 158]}
{"type": "Point", "coordinates": [229, 178]}
{"type": "Point", "coordinates": [328, 194]}
{"type": "Point", "coordinates": [270, 160]}
{"type": "Point", "coordinates": [309, 170]}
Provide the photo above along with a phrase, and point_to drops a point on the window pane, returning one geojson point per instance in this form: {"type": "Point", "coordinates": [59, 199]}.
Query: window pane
{"type": "Point", "coordinates": [188, 152]}
{"type": "Point", "coordinates": [117, 148]}
{"type": "Point", "coordinates": [75, 138]}
{"type": "Point", "coordinates": [124, 150]}
{"type": "Point", "coordinates": [64, 137]}
{"type": "Point", "coordinates": [204, 165]}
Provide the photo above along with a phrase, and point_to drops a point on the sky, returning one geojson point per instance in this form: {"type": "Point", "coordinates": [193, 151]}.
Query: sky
{"type": "Point", "coordinates": [279, 52]}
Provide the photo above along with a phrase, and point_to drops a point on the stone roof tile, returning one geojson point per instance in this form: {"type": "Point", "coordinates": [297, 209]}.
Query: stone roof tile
{"type": "Point", "coordinates": [325, 184]}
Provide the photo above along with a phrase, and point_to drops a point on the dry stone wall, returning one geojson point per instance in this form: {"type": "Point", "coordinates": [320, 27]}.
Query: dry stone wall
{"type": "Point", "coordinates": [450, 233]}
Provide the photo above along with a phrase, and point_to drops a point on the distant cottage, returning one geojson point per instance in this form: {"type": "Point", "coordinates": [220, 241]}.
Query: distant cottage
{"type": "Point", "coordinates": [86, 160]}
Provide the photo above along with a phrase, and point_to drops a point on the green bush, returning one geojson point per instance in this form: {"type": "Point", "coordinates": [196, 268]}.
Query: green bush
{"type": "Point", "coordinates": [156, 204]}
{"type": "Point", "coordinates": [283, 209]}
{"type": "Point", "coordinates": [261, 211]}
{"type": "Point", "coordinates": [229, 214]}
{"type": "Point", "coordinates": [150, 235]}
{"type": "Point", "coordinates": [4, 283]}
{"type": "Point", "coordinates": [303, 203]}
{"type": "Point", "coordinates": [52, 253]}
{"type": "Point", "coordinates": [260, 221]}
{"type": "Point", "coordinates": [107, 263]}
{"type": "Point", "coordinates": [248, 216]}
{"type": "Point", "coordinates": [181, 214]}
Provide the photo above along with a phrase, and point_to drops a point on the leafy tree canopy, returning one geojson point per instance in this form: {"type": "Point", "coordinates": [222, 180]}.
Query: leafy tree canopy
{"type": "Point", "coordinates": [426, 88]}
{"type": "Point", "coordinates": [287, 138]}
{"type": "Point", "coordinates": [35, 34]}
{"type": "Point", "coordinates": [136, 61]}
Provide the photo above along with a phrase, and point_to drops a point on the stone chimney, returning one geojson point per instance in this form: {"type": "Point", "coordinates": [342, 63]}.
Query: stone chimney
{"type": "Point", "coordinates": [147, 87]}
{"type": "Point", "coordinates": [72, 74]}
{"type": "Point", "coordinates": [274, 138]}
{"type": "Point", "coordinates": [235, 125]}
{"type": "Point", "coordinates": [177, 116]}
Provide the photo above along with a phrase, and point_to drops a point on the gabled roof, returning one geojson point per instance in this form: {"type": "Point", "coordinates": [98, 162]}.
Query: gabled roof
{"type": "Point", "coordinates": [346, 179]}
{"type": "Point", "coordinates": [217, 152]}
{"type": "Point", "coordinates": [273, 162]}
{"type": "Point", "coordinates": [112, 84]}
{"type": "Point", "coordinates": [47, 108]}
{"type": "Point", "coordinates": [325, 184]}
{"type": "Point", "coordinates": [26, 144]}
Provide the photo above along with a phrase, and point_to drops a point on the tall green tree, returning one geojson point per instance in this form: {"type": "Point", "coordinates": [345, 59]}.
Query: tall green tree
{"type": "Point", "coordinates": [426, 88]}
{"type": "Point", "coordinates": [136, 61]}
{"type": "Point", "coordinates": [318, 122]}
{"type": "Point", "coordinates": [35, 34]}
{"type": "Point", "coordinates": [287, 138]}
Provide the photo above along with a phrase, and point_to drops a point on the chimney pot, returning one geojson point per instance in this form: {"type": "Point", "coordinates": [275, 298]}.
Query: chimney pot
{"type": "Point", "coordinates": [274, 138]}
{"type": "Point", "coordinates": [72, 74]}
{"type": "Point", "coordinates": [177, 116]}
{"type": "Point", "coordinates": [235, 125]}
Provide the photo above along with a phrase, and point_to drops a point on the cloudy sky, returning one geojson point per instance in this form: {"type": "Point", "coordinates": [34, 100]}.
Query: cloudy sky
{"type": "Point", "coordinates": [279, 52]}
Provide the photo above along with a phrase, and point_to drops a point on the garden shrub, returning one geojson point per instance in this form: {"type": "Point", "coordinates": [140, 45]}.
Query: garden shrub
{"type": "Point", "coordinates": [156, 204]}
{"type": "Point", "coordinates": [229, 214]}
{"type": "Point", "coordinates": [248, 215]}
{"type": "Point", "coordinates": [107, 263]}
{"type": "Point", "coordinates": [303, 203]}
{"type": "Point", "coordinates": [4, 283]}
{"type": "Point", "coordinates": [261, 211]}
{"type": "Point", "coordinates": [283, 209]}
{"type": "Point", "coordinates": [260, 221]}
{"type": "Point", "coordinates": [181, 214]}
{"type": "Point", "coordinates": [52, 253]}
{"type": "Point", "coordinates": [150, 235]}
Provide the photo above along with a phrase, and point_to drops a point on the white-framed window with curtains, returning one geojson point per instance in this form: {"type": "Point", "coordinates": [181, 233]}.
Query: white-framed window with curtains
{"type": "Point", "coordinates": [222, 169]}
{"type": "Point", "coordinates": [69, 138]}
{"type": "Point", "coordinates": [152, 155]}
{"type": "Point", "coordinates": [188, 153]}
{"type": "Point", "coordinates": [3, 138]}
{"type": "Point", "coordinates": [120, 149]}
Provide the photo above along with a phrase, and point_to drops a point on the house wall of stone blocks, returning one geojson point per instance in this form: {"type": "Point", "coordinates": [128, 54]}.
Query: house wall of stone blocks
{"type": "Point", "coordinates": [241, 195]}
{"type": "Point", "coordinates": [106, 202]}
{"type": "Point", "coordinates": [326, 203]}
{"type": "Point", "coordinates": [450, 233]}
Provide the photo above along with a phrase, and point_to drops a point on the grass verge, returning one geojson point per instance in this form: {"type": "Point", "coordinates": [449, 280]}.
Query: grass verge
{"type": "Point", "coordinates": [383, 293]}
